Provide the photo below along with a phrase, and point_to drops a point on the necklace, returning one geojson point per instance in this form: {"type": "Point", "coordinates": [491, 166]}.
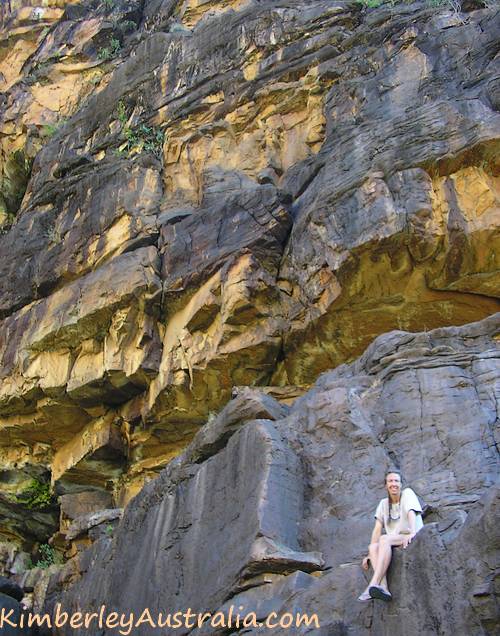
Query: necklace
{"type": "Point", "coordinates": [394, 512]}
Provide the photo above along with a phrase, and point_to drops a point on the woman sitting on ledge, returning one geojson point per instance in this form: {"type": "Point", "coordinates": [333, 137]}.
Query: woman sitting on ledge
{"type": "Point", "coordinates": [400, 515]}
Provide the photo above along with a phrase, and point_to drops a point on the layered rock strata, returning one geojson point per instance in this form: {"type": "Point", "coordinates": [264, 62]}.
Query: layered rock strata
{"type": "Point", "coordinates": [197, 196]}
{"type": "Point", "coordinates": [271, 507]}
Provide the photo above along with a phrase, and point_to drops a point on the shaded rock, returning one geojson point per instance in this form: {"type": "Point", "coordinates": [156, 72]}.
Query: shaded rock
{"type": "Point", "coordinates": [298, 495]}
{"type": "Point", "coordinates": [249, 404]}
{"type": "Point", "coordinates": [13, 611]}
{"type": "Point", "coordinates": [26, 525]}
{"type": "Point", "coordinates": [265, 597]}
{"type": "Point", "coordinates": [12, 559]}
{"type": "Point", "coordinates": [267, 506]}
{"type": "Point", "coordinates": [83, 524]}
{"type": "Point", "coordinates": [93, 458]}
{"type": "Point", "coordinates": [11, 589]}
{"type": "Point", "coordinates": [83, 503]}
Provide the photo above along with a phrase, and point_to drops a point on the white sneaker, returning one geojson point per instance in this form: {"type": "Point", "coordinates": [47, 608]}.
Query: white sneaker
{"type": "Point", "coordinates": [365, 596]}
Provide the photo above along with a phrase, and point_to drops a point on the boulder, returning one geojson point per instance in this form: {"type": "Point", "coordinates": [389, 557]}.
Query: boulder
{"type": "Point", "coordinates": [11, 589]}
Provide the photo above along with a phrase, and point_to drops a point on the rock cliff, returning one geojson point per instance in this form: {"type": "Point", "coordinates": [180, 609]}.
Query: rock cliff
{"type": "Point", "coordinates": [201, 197]}
{"type": "Point", "coordinates": [271, 507]}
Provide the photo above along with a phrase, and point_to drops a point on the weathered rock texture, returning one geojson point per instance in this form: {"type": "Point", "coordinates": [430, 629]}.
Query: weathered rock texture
{"type": "Point", "coordinates": [271, 507]}
{"type": "Point", "coordinates": [201, 195]}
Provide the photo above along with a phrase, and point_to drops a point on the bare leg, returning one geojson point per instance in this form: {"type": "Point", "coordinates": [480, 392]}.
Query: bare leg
{"type": "Point", "coordinates": [373, 559]}
{"type": "Point", "coordinates": [373, 555]}
{"type": "Point", "coordinates": [384, 555]}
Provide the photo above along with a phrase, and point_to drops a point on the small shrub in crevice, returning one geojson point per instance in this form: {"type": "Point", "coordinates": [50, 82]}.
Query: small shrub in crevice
{"type": "Point", "coordinates": [121, 113]}
{"type": "Point", "coordinates": [13, 185]}
{"type": "Point", "coordinates": [37, 496]}
{"type": "Point", "coordinates": [371, 4]}
{"type": "Point", "coordinates": [146, 138]}
{"type": "Point", "coordinates": [50, 129]}
{"type": "Point", "coordinates": [140, 138]}
{"type": "Point", "coordinates": [47, 556]}
{"type": "Point", "coordinates": [109, 52]}
{"type": "Point", "coordinates": [38, 73]}
{"type": "Point", "coordinates": [127, 26]}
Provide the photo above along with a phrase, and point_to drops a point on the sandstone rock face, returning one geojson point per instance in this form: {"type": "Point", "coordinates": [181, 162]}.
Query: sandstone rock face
{"type": "Point", "coordinates": [201, 195]}
{"type": "Point", "coordinates": [273, 510]}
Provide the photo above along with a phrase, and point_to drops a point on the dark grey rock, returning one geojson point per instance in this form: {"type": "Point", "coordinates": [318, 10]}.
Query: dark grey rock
{"type": "Point", "coordinates": [250, 507]}
{"type": "Point", "coordinates": [83, 524]}
{"type": "Point", "coordinates": [10, 588]}
{"type": "Point", "coordinates": [8, 605]}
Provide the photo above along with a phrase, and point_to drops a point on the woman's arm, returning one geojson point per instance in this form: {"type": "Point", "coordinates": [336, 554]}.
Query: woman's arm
{"type": "Point", "coordinates": [376, 532]}
{"type": "Point", "coordinates": [412, 523]}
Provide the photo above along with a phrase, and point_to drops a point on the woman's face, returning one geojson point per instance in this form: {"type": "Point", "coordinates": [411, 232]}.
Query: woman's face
{"type": "Point", "coordinates": [393, 484]}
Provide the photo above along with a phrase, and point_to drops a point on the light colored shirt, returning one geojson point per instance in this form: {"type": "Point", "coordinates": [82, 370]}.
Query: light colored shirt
{"type": "Point", "coordinates": [397, 522]}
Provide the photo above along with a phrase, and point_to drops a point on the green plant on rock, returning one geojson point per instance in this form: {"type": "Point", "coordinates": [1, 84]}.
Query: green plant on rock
{"type": "Point", "coordinates": [47, 556]}
{"type": "Point", "coordinates": [127, 26]}
{"type": "Point", "coordinates": [108, 52]}
{"type": "Point", "coordinates": [140, 138]}
{"type": "Point", "coordinates": [37, 496]}
{"type": "Point", "coordinates": [104, 54]}
{"type": "Point", "coordinates": [38, 72]}
{"type": "Point", "coordinates": [121, 113]}
{"type": "Point", "coordinates": [454, 5]}
{"type": "Point", "coordinates": [50, 129]}
{"type": "Point", "coordinates": [371, 4]}
{"type": "Point", "coordinates": [115, 45]}
{"type": "Point", "coordinates": [212, 415]}
{"type": "Point", "coordinates": [13, 185]}
{"type": "Point", "coordinates": [53, 235]}
{"type": "Point", "coordinates": [152, 139]}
